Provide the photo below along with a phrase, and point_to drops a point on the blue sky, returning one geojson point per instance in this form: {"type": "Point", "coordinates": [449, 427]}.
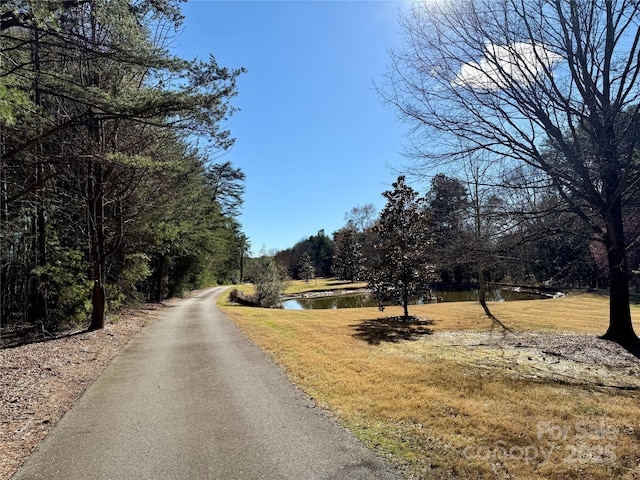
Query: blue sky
{"type": "Point", "coordinates": [312, 136]}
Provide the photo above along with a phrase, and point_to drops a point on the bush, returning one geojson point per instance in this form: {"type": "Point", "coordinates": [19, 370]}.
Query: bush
{"type": "Point", "coordinates": [236, 296]}
{"type": "Point", "coordinates": [66, 289]}
{"type": "Point", "coordinates": [269, 281]}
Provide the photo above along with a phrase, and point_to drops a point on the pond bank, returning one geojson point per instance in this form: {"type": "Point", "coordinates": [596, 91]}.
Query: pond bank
{"type": "Point", "coordinates": [326, 293]}
{"type": "Point", "coordinates": [542, 291]}
{"type": "Point", "coordinates": [361, 297]}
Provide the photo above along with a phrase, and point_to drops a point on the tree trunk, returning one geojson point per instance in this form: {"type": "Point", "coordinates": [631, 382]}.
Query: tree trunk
{"type": "Point", "coordinates": [482, 297]}
{"type": "Point", "coordinates": [38, 310]}
{"type": "Point", "coordinates": [482, 290]}
{"type": "Point", "coordinates": [99, 302]}
{"type": "Point", "coordinates": [482, 283]}
{"type": "Point", "coordinates": [620, 326]}
{"type": "Point", "coordinates": [405, 303]}
{"type": "Point", "coordinates": [163, 279]}
{"type": "Point", "coordinates": [98, 256]}
{"type": "Point", "coordinates": [99, 294]}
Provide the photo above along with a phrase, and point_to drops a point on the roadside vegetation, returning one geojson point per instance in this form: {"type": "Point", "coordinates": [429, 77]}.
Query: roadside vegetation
{"type": "Point", "coordinates": [106, 197]}
{"type": "Point", "coordinates": [453, 396]}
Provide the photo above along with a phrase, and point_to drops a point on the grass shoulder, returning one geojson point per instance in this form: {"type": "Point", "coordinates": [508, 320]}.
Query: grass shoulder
{"type": "Point", "coordinates": [456, 398]}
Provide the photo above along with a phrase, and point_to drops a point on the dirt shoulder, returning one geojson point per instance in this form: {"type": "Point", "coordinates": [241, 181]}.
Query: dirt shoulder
{"type": "Point", "coordinates": [567, 358]}
{"type": "Point", "coordinates": [40, 382]}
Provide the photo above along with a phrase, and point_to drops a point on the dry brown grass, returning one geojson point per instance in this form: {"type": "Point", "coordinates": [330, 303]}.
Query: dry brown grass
{"type": "Point", "coordinates": [446, 412]}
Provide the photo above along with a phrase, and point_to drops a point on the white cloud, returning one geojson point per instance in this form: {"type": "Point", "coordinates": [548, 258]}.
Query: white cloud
{"type": "Point", "coordinates": [503, 65]}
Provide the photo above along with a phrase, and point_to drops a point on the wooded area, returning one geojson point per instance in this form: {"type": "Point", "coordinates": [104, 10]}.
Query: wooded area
{"type": "Point", "coordinates": [111, 189]}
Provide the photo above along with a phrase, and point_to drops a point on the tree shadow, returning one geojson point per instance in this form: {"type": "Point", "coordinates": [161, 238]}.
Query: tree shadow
{"type": "Point", "coordinates": [21, 335]}
{"type": "Point", "coordinates": [392, 329]}
{"type": "Point", "coordinates": [632, 347]}
{"type": "Point", "coordinates": [633, 350]}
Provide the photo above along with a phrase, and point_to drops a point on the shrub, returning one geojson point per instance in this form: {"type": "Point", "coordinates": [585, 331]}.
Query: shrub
{"type": "Point", "coordinates": [269, 281]}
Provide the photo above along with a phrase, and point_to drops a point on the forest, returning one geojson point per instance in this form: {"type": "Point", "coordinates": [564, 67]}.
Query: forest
{"type": "Point", "coordinates": [112, 187]}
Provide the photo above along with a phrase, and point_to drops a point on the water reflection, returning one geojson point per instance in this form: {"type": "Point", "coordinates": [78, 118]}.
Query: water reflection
{"type": "Point", "coordinates": [364, 300]}
{"type": "Point", "coordinates": [342, 301]}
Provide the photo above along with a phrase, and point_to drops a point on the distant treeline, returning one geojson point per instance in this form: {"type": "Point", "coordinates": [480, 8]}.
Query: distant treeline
{"type": "Point", "coordinates": [539, 246]}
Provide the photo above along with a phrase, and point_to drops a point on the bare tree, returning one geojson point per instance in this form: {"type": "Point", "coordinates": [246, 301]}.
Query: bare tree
{"type": "Point", "coordinates": [362, 217]}
{"type": "Point", "coordinates": [485, 212]}
{"type": "Point", "coordinates": [547, 84]}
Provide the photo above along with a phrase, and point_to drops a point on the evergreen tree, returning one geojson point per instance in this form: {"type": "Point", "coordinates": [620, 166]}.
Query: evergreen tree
{"type": "Point", "coordinates": [448, 204]}
{"type": "Point", "coordinates": [320, 248]}
{"type": "Point", "coordinates": [402, 272]}
{"type": "Point", "coordinates": [348, 261]}
{"type": "Point", "coordinates": [306, 270]}
{"type": "Point", "coordinates": [96, 176]}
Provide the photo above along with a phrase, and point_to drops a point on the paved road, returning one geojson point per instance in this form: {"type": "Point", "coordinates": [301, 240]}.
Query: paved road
{"type": "Point", "coordinates": [190, 398]}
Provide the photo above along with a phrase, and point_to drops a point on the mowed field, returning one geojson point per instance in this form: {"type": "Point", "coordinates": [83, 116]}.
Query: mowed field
{"type": "Point", "coordinates": [456, 396]}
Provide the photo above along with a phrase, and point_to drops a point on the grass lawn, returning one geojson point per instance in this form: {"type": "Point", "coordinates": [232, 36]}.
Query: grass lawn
{"type": "Point", "coordinates": [320, 284]}
{"type": "Point", "coordinates": [446, 408]}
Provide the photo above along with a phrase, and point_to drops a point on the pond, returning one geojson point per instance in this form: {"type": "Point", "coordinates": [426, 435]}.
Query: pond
{"type": "Point", "coordinates": [364, 299]}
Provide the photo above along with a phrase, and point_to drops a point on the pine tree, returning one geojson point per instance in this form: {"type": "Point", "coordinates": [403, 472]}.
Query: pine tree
{"type": "Point", "coordinates": [95, 163]}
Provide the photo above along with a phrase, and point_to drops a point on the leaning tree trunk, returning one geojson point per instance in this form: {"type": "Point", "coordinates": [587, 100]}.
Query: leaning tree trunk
{"type": "Point", "coordinates": [482, 290]}
{"type": "Point", "coordinates": [482, 295]}
{"type": "Point", "coordinates": [479, 254]}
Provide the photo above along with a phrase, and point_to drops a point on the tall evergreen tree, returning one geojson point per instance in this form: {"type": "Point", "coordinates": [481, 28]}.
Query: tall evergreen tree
{"type": "Point", "coordinates": [402, 272]}
{"type": "Point", "coordinates": [306, 270]}
{"type": "Point", "coordinates": [348, 261]}
{"type": "Point", "coordinates": [95, 123]}
{"type": "Point", "coordinates": [448, 204]}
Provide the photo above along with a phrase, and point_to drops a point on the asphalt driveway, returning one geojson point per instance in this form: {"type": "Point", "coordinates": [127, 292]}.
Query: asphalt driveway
{"type": "Point", "coordinates": [192, 398]}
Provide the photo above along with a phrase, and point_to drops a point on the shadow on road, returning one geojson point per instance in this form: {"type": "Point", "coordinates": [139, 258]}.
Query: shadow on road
{"type": "Point", "coordinates": [392, 329]}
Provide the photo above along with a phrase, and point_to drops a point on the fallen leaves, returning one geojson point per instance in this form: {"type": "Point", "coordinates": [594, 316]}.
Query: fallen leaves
{"type": "Point", "coordinates": [39, 382]}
